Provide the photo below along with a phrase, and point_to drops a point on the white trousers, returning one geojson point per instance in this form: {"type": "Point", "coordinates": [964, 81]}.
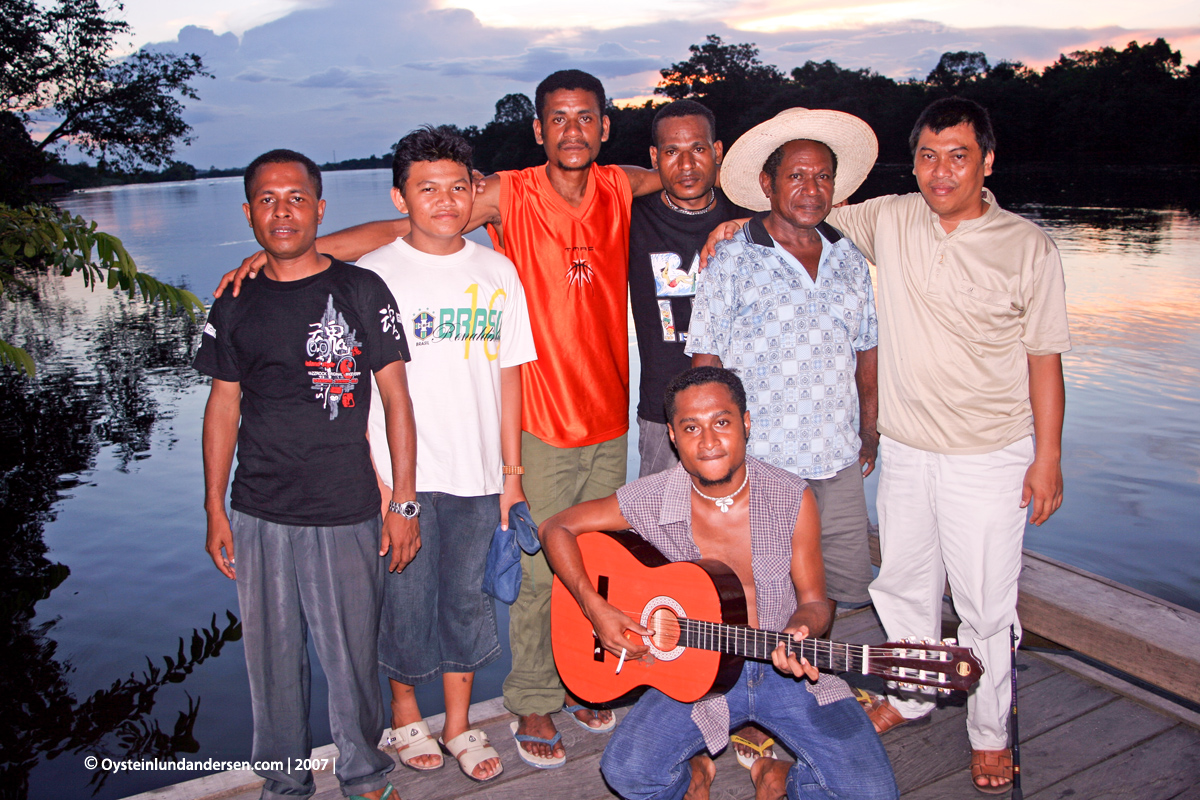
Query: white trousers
{"type": "Point", "coordinates": [956, 516]}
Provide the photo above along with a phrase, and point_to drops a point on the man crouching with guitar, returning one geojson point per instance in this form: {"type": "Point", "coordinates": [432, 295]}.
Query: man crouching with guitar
{"type": "Point", "coordinates": [762, 522]}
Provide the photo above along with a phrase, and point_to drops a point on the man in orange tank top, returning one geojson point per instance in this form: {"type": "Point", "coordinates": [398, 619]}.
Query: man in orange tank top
{"type": "Point", "coordinates": [565, 225]}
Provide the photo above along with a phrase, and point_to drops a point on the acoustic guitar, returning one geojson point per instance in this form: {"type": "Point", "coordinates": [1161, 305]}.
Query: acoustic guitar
{"type": "Point", "coordinates": [697, 611]}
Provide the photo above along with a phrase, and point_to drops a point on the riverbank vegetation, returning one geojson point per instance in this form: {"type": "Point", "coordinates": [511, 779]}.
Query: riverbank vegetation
{"type": "Point", "coordinates": [57, 68]}
{"type": "Point", "coordinates": [1139, 105]}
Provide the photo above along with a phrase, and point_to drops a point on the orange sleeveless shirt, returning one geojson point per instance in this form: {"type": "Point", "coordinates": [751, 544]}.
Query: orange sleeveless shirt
{"type": "Point", "coordinates": [574, 266]}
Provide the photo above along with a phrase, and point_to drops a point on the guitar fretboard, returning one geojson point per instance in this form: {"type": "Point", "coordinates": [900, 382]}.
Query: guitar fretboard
{"type": "Point", "coordinates": [740, 640]}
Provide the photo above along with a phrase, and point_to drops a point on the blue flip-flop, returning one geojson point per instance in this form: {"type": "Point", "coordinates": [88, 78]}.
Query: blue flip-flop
{"type": "Point", "coordinates": [533, 760]}
{"type": "Point", "coordinates": [572, 710]}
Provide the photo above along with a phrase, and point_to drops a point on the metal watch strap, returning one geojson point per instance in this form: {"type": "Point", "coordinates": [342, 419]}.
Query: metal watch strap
{"type": "Point", "coordinates": [408, 510]}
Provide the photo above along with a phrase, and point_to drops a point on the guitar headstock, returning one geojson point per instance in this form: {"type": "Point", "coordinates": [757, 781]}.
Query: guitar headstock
{"type": "Point", "coordinates": [944, 666]}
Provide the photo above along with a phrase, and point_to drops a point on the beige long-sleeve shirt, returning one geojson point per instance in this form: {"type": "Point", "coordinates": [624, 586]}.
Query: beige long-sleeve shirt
{"type": "Point", "coordinates": [958, 314]}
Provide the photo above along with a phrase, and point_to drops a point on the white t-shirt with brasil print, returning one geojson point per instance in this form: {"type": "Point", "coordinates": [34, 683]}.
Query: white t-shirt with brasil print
{"type": "Point", "coordinates": [465, 318]}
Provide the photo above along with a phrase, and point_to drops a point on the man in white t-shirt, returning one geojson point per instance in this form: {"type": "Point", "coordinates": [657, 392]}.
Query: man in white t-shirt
{"type": "Point", "coordinates": [464, 311]}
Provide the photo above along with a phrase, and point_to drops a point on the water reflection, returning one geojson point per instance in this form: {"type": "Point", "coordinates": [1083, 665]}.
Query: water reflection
{"type": "Point", "coordinates": [115, 723]}
{"type": "Point", "coordinates": [102, 363]}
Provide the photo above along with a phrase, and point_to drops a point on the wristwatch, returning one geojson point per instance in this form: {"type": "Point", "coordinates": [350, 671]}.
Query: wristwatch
{"type": "Point", "coordinates": [407, 510]}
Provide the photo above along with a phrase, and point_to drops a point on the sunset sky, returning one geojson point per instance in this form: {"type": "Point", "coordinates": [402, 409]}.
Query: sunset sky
{"type": "Point", "coordinates": [347, 78]}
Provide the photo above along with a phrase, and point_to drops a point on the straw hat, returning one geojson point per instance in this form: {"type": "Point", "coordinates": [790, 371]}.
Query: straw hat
{"type": "Point", "coordinates": [851, 139]}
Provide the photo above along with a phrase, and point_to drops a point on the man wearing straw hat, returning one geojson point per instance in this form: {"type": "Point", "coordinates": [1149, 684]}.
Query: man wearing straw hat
{"type": "Point", "coordinates": [787, 304]}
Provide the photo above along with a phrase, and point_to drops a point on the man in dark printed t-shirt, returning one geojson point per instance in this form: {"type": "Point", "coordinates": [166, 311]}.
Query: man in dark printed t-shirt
{"type": "Point", "coordinates": [667, 230]}
{"type": "Point", "coordinates": [291, 360]}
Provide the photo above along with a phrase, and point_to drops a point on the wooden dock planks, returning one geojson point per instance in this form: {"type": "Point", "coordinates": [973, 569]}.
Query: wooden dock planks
{"type": "Point", "coordinates": [1079, 740]}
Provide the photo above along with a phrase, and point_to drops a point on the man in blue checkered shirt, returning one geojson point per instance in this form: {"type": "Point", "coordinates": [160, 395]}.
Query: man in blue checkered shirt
{"type": "Point", "coordinates": [787, 304]}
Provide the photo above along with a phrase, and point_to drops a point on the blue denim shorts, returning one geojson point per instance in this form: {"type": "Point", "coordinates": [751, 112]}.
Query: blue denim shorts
{"type": "Point", "coordinates": [436, 617]}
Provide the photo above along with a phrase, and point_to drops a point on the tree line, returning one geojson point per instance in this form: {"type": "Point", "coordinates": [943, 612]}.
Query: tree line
{"type": "Point", "coordinates": [1139, 105]}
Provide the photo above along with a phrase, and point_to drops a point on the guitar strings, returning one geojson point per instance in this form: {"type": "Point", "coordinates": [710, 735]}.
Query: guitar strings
{"type": "Point", "coordinates": [729, 633]}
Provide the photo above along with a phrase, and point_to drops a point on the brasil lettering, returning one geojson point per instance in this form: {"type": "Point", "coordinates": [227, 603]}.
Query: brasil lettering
{"type": "Point", "coordinates": [466, 324]}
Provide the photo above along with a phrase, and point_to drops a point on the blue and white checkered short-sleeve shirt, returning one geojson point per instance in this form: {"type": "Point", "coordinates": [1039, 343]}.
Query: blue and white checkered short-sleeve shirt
{"type": "Point", "coordinates": [793, 342]}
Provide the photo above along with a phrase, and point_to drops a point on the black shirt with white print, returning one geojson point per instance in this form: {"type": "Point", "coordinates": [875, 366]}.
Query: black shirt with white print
{"type": "Point", "coordinates": [303, 352]}
{"type": "Point", "coordinates": [664, 249]}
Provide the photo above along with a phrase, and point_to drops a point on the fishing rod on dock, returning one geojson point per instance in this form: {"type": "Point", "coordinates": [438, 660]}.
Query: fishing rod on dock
{"type": "Point", "coordinates": [1012, 724]}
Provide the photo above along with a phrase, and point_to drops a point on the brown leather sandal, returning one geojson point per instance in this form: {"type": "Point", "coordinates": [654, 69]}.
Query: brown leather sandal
{"type": "Point", "coordinates": [884, 716]}
{"type": "Point", "coordinates": [992, 764]}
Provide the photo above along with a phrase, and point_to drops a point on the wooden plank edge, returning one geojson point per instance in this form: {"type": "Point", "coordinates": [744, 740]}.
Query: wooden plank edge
{"type": "Point", "coordinates": [1135, 693]}
{"type": "Point", "coordinates": [1144, 657]}
{"type": "Point", "coordinates": [236, 781]}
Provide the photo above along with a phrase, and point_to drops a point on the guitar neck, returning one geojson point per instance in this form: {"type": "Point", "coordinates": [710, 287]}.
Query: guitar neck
{"type": "Point", "coordinates": [741, 640]}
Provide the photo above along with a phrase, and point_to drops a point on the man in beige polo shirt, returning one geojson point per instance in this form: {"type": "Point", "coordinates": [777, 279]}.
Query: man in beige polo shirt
{"type": "Point", "coordinates": [972, 322]}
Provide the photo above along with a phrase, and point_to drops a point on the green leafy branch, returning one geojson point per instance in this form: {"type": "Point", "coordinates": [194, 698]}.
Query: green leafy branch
{"type": "Point", "coordinates": [45, 239]}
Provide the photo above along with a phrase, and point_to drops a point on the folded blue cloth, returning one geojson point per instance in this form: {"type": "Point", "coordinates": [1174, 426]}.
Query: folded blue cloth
{"type": "Point", "coordinates": [502, 575]}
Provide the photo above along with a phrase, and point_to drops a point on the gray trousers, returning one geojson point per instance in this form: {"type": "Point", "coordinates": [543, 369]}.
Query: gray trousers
{"type": "Point", "coordinates": [330, 580]}
{"type": "Point", "coordinates": [843, 507]}
{"type": "Point", "coordinates": [655, 448]}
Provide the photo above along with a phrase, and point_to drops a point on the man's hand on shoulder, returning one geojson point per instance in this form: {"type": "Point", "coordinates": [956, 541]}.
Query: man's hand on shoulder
{"type": "Point", "coordinates": [789, 663]}
{"type": "Point", "coordinates": [249, 269]}
{"type": "Point", "coordinates": [725, 230]}
{"type": "Point", "coordinates": [1042, 493]}
{"type": "Point", "coordinates": [403, 537]}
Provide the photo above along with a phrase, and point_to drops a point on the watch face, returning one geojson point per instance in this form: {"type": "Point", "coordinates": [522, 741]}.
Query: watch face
{"type": "Point", "coordinates": [410, 509]}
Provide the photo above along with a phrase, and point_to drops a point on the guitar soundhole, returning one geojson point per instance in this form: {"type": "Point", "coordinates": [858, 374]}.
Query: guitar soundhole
{"type": "Point", "coordinates": [665, 625]}
{"type": "Point", "coordinates": [662, 615]}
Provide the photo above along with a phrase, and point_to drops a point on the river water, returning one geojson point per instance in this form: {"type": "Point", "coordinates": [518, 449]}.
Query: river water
{"type": "Point", "coordinates": [137, 655]}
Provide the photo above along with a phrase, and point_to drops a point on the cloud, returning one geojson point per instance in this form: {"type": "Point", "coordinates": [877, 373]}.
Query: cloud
{"type": "Point", "coordinates": [355, 75]}
{"type": "Point", "coordinates": [609, 60]}
{"type": "Point", "coordinates": [360, 83]}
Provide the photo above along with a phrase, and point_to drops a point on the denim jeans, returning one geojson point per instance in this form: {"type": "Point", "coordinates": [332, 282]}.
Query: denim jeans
{"type": "Point", "coordinates": [292, 580]}
{"type": "Point", "coordinates": [436, 617]}
{"type": "Point", "coordinates": [838, 753]}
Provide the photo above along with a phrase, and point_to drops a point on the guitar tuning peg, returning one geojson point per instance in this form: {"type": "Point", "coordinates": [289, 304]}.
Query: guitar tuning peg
{"type": "Point", "coordinates": [927, 640]}
{"type": "Point", "coordinates": [911, 640]}
{"type": "Point", "coordinates": [943, 690]}
{"type": "Point", "coordinates": [892, 685]}
{"type": "Point", "coordinates": [950, 642]}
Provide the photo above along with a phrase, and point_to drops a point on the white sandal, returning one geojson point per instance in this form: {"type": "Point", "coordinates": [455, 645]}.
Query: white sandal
{"type": "Point", "coordinates": [414, 740]}
{"type": "Point", "coordinates": [470, 749]}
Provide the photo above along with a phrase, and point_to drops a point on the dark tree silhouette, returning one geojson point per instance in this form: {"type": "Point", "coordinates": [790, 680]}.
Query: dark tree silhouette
{"type": "Point", "coordinates": [56, 66]}
{"type": "Point", "coordinates": [514, 108]}
{"type": "Point", "coordinates": [715, 66]}
{"type": "Point", "coordinates": [954, 70]}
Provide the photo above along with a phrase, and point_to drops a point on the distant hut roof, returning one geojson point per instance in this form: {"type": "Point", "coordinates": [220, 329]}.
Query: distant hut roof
{"type": "Point", "coordinates": [48, 180]}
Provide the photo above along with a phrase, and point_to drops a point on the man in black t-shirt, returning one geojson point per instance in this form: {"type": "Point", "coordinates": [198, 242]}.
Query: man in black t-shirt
{"type": "Point", "coordinates": [666, 233]}
{"type": "Point", "coordinates": [291, 359]}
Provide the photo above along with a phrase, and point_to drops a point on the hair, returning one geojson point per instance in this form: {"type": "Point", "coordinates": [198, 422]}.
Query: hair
{"type": "Point", "coordinates": [428, 143]}
{"type": "Point", "coordinates": [282, 157]}
{"type": "Point", "coordinates": [771, 165]}
{"type": "Point", "coordinates": [569, 79]}
{"type": "Point", "coordinates": [950, 111]}
{"type": "Point", "coordinates": [683, 108]}
{"type": "Point", "coordinates": [700, 376]}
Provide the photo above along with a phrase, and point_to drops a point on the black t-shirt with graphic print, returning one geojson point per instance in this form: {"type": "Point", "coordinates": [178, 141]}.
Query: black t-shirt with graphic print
{"type": "Point", "coordinates": [664, 248]}
{"type": "Point", "coordinates": [303, 352]}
